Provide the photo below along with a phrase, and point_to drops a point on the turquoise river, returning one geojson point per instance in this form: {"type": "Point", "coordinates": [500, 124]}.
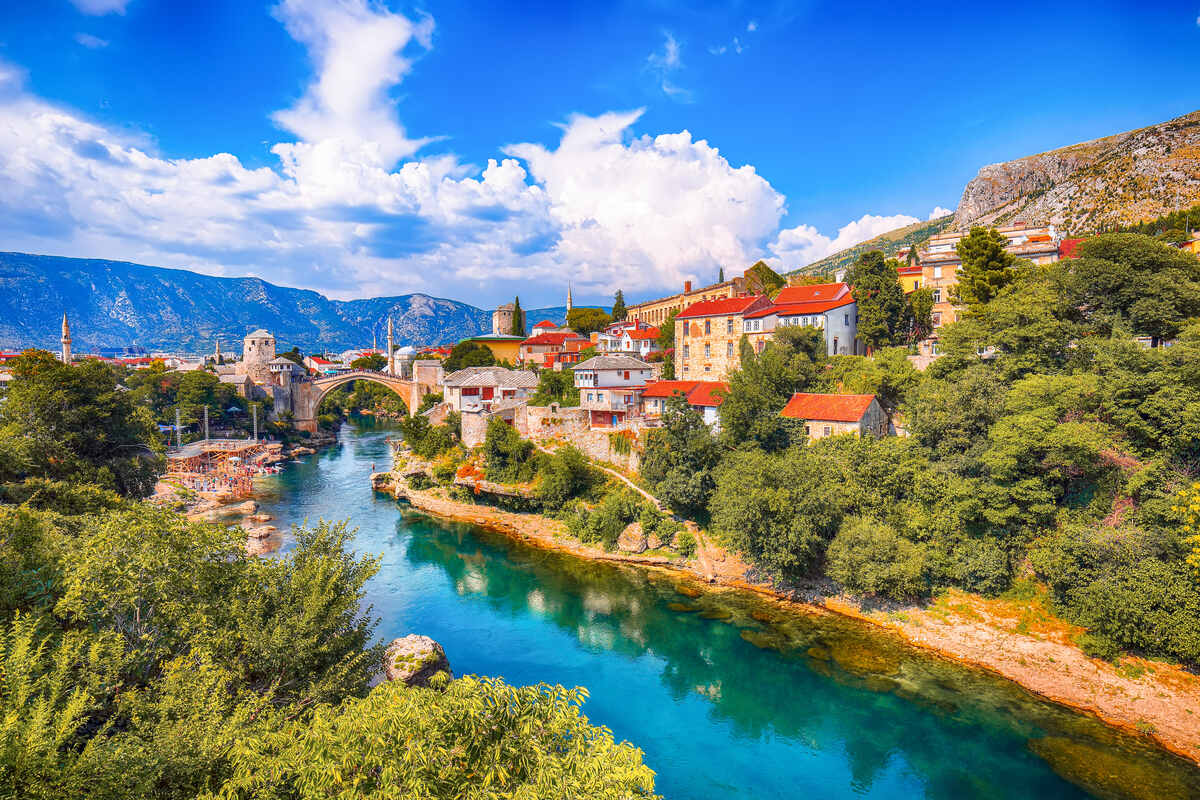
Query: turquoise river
{"type": "Point", "coordinates": [728, 695]}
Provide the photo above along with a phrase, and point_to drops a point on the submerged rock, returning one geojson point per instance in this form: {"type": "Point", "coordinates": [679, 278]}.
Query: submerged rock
{"type": "Point", "coordinates": [632, 539]}
{"type": "Point", "coordinates": [414, 660]}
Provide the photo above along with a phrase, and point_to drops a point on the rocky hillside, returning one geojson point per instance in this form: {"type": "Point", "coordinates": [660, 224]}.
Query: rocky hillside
{"type": "Point", "coordinates": [889, 243]}
{"type": "Point", "coordinates": [114, 304]}
{"type": "Point", "coordinates": [1109, 182]}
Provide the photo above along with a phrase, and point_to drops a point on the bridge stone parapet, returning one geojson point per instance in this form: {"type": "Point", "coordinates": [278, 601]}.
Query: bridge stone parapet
{"type": "Point", "coordinates": [306, 396]}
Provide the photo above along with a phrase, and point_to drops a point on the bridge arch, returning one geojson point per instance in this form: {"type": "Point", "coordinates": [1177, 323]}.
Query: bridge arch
{"type": "Point", "coordinates": [309, 394]}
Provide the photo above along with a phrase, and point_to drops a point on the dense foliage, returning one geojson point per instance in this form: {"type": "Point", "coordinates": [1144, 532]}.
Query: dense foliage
{"type": "Point", "coordinates": [585, 321]}
{"type": "Point", "coordinates": [143, 655]}
{"type": "Point", "coordinates": [468, 354]}
{"type": "Point", "coordinates": [1046, 444]}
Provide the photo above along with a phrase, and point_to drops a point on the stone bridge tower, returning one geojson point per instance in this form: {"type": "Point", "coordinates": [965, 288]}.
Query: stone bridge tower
{"type": "Point", "coordinates": [258, 349]}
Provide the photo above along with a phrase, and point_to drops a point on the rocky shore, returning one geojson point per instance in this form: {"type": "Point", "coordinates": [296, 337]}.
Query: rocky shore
{"type": "Point", "coordinates": [1026, 645]}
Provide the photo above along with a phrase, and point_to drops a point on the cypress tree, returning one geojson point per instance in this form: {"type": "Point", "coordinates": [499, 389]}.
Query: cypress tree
{"type": "Point", "coordinates": [518, 321]}
{"type": "Point", "coordinates": [618, 309]}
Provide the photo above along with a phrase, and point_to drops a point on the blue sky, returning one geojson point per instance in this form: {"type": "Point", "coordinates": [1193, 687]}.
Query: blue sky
{"type": "Point", "coordinates": [344, 145]}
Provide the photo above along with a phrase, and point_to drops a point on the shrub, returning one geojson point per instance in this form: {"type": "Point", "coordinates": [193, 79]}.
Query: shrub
{"type": "Point", "coordinates": [1098, 646]}
{"type": "Point", "coordinates": [870, 558]}
{"type": "Point", "coordinates": [420, 482]}
{"type": "Point", "coordinates": [561, 477]}
{"type": "Point", "coordinates": [980, 565]}
{"type": "Point", "coordinates": [686, 543]}
{"type": "Point", "coordinates": [603, 524]}
{"type": "Point", "coordinates": [444, 470]}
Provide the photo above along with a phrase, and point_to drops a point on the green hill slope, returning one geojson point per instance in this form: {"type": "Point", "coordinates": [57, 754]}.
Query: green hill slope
{"type": "Point", "coordinates": [890, 243]}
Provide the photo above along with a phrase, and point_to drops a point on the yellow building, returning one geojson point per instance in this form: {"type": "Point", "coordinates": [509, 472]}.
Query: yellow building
{"type": "Point", "coordinates": [504, 348]}
{"type": "Point", "coordinates": [1193, 244]}
{"type": "Point", "coordinates": [656, 312]}
{"type": "Point", "coordinates": [940, 263]}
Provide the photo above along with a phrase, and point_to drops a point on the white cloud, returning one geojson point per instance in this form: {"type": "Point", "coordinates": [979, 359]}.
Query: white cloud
{"type": "Point", "coordinates": [90, 42]}
{"type": "Point", "coordinates": [804, 244]}
{"type": "Point", "coordinates": [357, 50]}
{"type": "Point", "coordinates": [100, 7]}
{"type": "Point", "coordinates": [351, 211]}
{"type": "Point", "coordinates": [938, 211]}
{"type": "Point", "coordinates": [662, 63]}
{"type": "Point", "coordinates": [752, 26]}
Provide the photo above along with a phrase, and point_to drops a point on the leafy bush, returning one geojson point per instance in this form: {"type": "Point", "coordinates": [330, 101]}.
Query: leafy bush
{"type": "Point", "coordinates": [870, 558]}
{"type": "Point", "coordinates": [603, 524]}
{"type": "Point", "coordinates": [509, 457]}
{"type": "Point", "coordinates": [563, 476]}
{"type": "Point", "coordinates": [420, 482]}
{"type": "Point", "coordinates": [685, 543]}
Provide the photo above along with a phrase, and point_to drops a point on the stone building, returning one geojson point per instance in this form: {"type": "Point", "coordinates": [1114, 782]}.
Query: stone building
{"type": "Point", "coordinates": [834, 414]}
{"type": "Point", "coordinates": [829, 307]}
{"type": "Point", "coordinates": [707, 335]}
{"type": "Point", "coordinates": [502, 320]}
{"type": "Point", "coordinates": [258, 351]}
{"type": "Point", "coordinates": [656, 312]}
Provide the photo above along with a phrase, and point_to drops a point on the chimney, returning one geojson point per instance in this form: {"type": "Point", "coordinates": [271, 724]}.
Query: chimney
{"type": "Point", "coordinates": [687, 286]}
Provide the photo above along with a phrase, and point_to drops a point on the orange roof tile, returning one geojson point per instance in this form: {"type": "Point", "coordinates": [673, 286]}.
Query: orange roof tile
{"type": "Point", "coordinates": [722, 307]}
{"type": "Point", "coordinates": [708, 393]}
{"type": "Point", "coordinates": [809, 294]}
{"type": "Point", "coordinates": [827, 407]}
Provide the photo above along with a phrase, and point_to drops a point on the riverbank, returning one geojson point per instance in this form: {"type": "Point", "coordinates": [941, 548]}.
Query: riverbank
{"type": "Point", "coordinates": [239, 509]}
{"type": "Point", "coordinates": [1017, 639]}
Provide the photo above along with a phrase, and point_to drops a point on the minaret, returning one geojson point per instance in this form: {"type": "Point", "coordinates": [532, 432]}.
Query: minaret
{"type": "Point", "coordinates": [390, 368]}
{"type": "Point", "coordinates": [217, 355]}
{"type": "Point", "coordinates": [66, 341]}
{"type": "Point", "coordinates": [569, 304]}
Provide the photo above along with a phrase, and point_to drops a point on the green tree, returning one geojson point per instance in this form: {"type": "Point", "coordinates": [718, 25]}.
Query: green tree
{"type": "Point", "coordinates": [468, 354]}
{"type": "Point", "coordinates": [75, 423]}
{"type": "Point", "coordinates": [721, 275]}
{"type": "Point", "coordinates": [763, 384]}
{"type": "Point", "coordinates": [666, 332]}
{"type": "Point", "coordinates": [371, 361]}
{"type": "Point", "coordinates": [294, 355]}
{"type": "Point", "coordinates": [888, 375]}
{"type": "Point", "coordinates": [986, 266]}
{"type": "Point", "coordinates": [680, 459]}
{"type": "Point", "coordinates": [920, 315]}
{"type": "Point", "coordinates": [477, 737]}
{"type": "Point", "coordinates": [518, 320]}
{"type": "Point", "coordinates": [507, 455]}
{"type": "Point", "coordinates": [585, 321]}
{"type": "Point", "coordinates": [882, 309]}
{"type": "Point", "coordinates": [555, 386]}
{"type": "Point", "coordinates": [618, 309]}
{"type": "Point", "coordinates": [870, 558]}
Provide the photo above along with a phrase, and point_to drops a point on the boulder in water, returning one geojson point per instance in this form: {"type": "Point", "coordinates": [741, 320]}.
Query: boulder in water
{"type": "Point", "coordinates": [414, 660]}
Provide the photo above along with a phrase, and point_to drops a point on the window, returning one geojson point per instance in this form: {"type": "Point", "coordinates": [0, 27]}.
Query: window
{"type": "Point", "coordinates": [707, 368]}
{"type": "Point", "coordinates": [589, 397]}
{"type": "Point", "coordinates": [626, 374]}
{"type": "Point", "coordinates": [707, 350]}
{"type": "Point", "coordinates": [937, 271]}
{"type": "Point", "coordinates": [827, 431]}
{"type": "Point", "coordinates": [707, 327]}
{"type": "Point", "coordinates": [835, 345]}
{"type": "Point", "coordinates": [937, 295]}
{"type": "Point", "coordinates": [729, 349]}
{"type": "Point", "coordinates": [846, 320]}
{"type": "Point", "coordinates": [685, 353]}
{"type": "Point", "coordinates": [808, 430]}
{"type": "Point", "coordinates": [729, 325]}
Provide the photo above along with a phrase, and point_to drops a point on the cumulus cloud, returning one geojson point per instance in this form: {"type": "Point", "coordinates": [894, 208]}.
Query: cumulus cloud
{"type": "Point", "coordinates": [938, 211]}
{"type": "Point", "coordinates": [90, 42]}
{"type": "Point", "coordinates": [752, 26]}
{"type": "Point", "coordinates": [357, 50]}
{"type": "Point", "coordinates": [350, 208]}
{"type": "Point", "coordinates": [100, 7]}
{"type": "Point", "coordinates": [804, 244]}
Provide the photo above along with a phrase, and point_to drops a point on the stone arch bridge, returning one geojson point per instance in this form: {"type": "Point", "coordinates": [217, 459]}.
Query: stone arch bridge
{"type": "Point", "coordinates": [307, 395]}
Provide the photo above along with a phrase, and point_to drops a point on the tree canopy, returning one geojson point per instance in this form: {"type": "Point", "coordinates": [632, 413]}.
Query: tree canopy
{"type": "Point", "coordinates": [618, 308]}
{"type": "Point", "coordinates": [585, 321]}
{"type": "Point", "coordinates": [986, 266]}
{"type": "Point", "coordinates": [468, 354]}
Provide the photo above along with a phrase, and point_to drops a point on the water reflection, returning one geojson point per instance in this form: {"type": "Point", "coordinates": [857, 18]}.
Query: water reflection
{"type": "Point", "coordinates": [729, 696]}
{"type": "Point", "coordinates": [819, 681]}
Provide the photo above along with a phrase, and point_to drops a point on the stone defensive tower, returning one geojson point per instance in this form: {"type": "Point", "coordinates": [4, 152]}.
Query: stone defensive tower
{"type": "Point", "coordinates": [258, 349]}
{"type": "Point", "coordinates": [502, 320]}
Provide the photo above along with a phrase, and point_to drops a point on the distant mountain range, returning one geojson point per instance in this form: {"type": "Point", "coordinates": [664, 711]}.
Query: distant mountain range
{"type": "Point", "coordinates": [115, 304]}
{"type": "Point", "coordinates": [1083, 188]}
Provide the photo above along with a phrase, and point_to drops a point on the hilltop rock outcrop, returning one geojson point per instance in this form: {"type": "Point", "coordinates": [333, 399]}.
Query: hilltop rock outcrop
{"type": "Point", "coordinates": [1126, 178]}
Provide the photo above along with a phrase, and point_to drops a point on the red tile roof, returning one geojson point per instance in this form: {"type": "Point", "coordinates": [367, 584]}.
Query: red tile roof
{"type": "Point", "coordinates": [809, 294]}
{"type": "Point", "coordinates": [698, 393]}
{"type": "Point", "coordinates": [1067, 248]}
{"type": "Point", "coordinates": [723, 307]}
{"type": "Point", "coordinates": [827, 407]}
{"type": "Point", "coordinates": [320, 360]}
{"type": "Point", "coordinates": [669, 388]}
{"type": "Point", "coordinates": [545, 324]}
{"type": "Point", "coordinates": [644, 333]}
{"type": "Point", "coordinates": [794, 309]}
{"type": "Point", "coordinates": [554, 338]}
{"type": "Point", "coordinates": [910, 269]}
{"type": "Point", "coordinates": [708, 393]}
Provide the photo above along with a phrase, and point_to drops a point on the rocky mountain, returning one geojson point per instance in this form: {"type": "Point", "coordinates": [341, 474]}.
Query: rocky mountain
{"type": "Point", "coordinates": [889, 243]}
{"type": "Point", "coordinates": [114, 305]}
{"type": "Point", "coordinates": [1104, 183]}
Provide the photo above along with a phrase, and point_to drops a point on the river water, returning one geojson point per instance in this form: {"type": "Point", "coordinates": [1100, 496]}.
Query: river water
{"type": "Point", "coordinates": [728, 695]}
